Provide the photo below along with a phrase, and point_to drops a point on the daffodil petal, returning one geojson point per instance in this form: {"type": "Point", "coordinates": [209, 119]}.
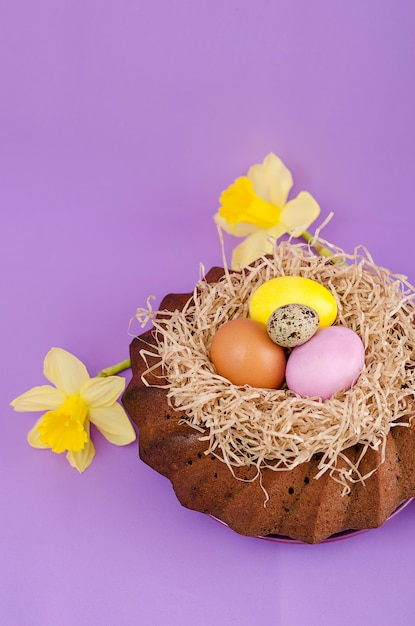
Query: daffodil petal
{"type": "Point", "coordinates": [299, 213]}
{"type": "Point", "coordinates": [238, 230]}
{"type": "Point", "coordinates": [114, 424]}
{"type": "Point", "coordinates": [272, 180]}
{"type": "Point", "coordinates": [102, 392]}
{"type": "Point", "coordinates": [65, 370]}
{"type": "Point", "coordinates": [251, 249]}
{"type": "Point", "coordinates": [42, 398]}
{"type": "Point", "coordinates": [33, 437]}
{"type": "Point", "coordinates": [82, 459]}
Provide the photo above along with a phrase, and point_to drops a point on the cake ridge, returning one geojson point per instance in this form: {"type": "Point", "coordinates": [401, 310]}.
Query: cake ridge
{"type": "Point", "coordinates": [331, 514]}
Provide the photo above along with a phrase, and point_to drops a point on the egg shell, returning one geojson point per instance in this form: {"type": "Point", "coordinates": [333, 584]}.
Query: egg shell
{"type": "Point", "coordinates": [283, 290]}
{"type": "Point", "coordinates": [292, 325]}
{"type": "Point", "coordinates": [243, 353]}
{"type": "Point", "coordinates": [329, 362]}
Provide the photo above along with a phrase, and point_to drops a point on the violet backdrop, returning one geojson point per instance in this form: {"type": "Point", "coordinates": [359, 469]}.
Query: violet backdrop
{"type": "Point", "coordinates": [120, 124]}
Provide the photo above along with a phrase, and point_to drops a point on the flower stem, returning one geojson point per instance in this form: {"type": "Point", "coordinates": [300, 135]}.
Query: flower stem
{"type": "Point", "coordinates": [318, 247]}
{"type": "Point", "coordinates": [115, 369]}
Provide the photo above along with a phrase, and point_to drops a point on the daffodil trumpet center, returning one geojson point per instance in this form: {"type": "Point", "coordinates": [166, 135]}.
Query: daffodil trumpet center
{"type": "Point", "coordinates": [63, 429]}
{"type": "Point", "coordinates": [240, 204]}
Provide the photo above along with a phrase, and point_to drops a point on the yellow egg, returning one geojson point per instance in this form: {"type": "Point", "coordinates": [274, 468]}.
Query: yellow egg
{"type": "Point", "coordinates": [292, 290]}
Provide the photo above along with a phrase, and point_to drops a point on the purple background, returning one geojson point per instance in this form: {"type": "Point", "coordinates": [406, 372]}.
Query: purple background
{"type": "Point", "coordinates": [121, 121]}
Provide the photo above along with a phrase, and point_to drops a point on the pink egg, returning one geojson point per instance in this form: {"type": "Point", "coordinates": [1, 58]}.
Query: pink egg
{"type": "Point", "coordinates": [330, 361]}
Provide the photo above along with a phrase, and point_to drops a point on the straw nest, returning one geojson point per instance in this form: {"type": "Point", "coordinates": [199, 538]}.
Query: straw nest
{"type": "Point", "coordinates": [276, 428]}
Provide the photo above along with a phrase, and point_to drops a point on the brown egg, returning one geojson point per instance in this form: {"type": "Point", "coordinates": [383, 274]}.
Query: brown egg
{"type": "Point", "coordinates": [243, 353]}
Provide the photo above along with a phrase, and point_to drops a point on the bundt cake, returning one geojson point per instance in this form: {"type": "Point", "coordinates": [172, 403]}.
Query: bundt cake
{"type": "Point", "coordinates": [300, 468]}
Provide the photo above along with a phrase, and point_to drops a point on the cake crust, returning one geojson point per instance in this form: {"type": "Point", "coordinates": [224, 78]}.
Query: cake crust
{"type": "Point", "coordinates": [298, 505]}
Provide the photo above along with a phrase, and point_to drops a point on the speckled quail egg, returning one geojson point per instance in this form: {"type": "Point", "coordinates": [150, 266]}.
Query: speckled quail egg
{"type": "Point", "coordinates": [292, 325]}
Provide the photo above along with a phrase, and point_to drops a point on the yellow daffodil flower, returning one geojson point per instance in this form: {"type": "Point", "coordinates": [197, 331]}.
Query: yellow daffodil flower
{"type": "Point", "coordinates": [255, 206]}
{"type": "Point", "coordinates": [72, 404]}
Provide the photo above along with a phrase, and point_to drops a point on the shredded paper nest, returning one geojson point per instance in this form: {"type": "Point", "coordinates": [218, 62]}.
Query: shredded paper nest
{"type": "Point", "coordinates": [276, 428]}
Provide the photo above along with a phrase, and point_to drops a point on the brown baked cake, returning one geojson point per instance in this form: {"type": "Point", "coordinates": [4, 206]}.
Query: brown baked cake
{"type": "Point", "coordinates": [353, 460]}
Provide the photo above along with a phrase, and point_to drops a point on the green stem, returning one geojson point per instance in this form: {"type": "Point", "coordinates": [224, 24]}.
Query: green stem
{"type": "Point", "coordinates": [115, 369]}
{"type": "Point", "coordinates": [318, 247]}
